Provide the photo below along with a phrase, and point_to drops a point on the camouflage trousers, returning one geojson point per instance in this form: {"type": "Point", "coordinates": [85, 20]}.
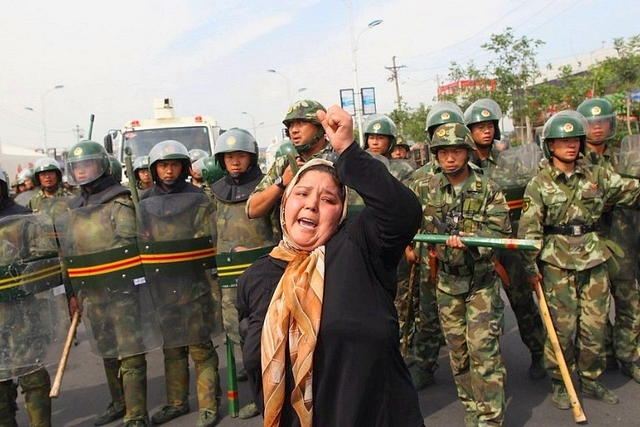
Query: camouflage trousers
{"type": "Point", "coordinates": [623, 337]}
{"type": "Point", "coordinates": [35, 386]}
{"type": "Point", "coordinates": [429, 338]}
{"type": "Point", "coordinates": [176, 372]}
{"type": "Point", "coordinates": [579, 305]}
{"type": "Point", "coordinates": [230, 313]}
{"type": "Point", "coordinates": [472, 324]}
{"type": "Point", "coordinates": [522, 303]}
{"type": "Point", "coordinates": [127, 381]}
{"type": "Point", "coordinates": [407, 310]}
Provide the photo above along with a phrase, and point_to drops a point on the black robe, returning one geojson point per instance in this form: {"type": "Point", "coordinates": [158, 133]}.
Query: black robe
{"type": "Point", "coordinates": [359, 377]}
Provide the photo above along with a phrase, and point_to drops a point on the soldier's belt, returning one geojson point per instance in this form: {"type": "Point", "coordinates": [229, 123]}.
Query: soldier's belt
{"type": "Point", "coordinates": [178, 256]}
{"type": "Point", "coordinates": [461, 270]}
{"type": "Point", "coordinates": [232, 264]}
{"type": "Point", "coordinates": [570, 230]}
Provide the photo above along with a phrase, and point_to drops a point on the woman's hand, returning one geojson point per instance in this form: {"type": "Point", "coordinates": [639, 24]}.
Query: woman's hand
{"type": "Point", "coordinates": [338, 125]}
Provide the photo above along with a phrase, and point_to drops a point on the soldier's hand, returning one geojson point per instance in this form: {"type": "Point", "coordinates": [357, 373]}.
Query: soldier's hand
{"type": "Point", "coordinates": [410, 254]}
{"type": "Point", "coordinates": [455, 241]}
{"type": "Point", "coordinates": [287, 175]}
{"type": "Point", "coordinates": [74, 306]}
{"type": "Point", "coordinates": [534, 281]}
{"type": "Point", "coordinates": [338, 125]}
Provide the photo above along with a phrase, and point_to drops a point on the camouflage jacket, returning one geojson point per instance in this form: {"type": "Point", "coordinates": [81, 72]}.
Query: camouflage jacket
{"type": "Point", "coordinates": [488, 164]}
{"type": "Point", "coordinates": [547, 204]}
{"type": "Point", "coordinates": [608, 159]}
{"type": "Point", "coordinates": [50, 205]}
{"type": "Point", "coordinates": [480, 209]}
{"type": "Point", "coordinates": [402, 170]}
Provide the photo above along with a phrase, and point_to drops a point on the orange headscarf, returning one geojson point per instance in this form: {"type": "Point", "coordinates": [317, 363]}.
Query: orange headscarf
{"type": "Point", "coordinates": [293, 318]}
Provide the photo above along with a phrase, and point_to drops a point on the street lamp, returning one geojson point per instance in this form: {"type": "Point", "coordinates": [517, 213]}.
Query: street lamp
{"type": "Point", "coordinates": [43, 114]}
{"type": "Point", "coordinates": [357, 96]}
{"type": "Point", "coordinates": [286, 79]}
{"type": "Point", "coordinates": [253, 121]}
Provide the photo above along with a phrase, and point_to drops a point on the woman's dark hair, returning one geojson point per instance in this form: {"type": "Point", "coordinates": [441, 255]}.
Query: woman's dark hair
{"type": "Point", "coordinates": [333, 173]}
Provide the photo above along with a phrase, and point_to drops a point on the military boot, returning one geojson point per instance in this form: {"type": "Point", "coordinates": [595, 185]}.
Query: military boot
{"type": "Point", "coordinates": [115, 410]}
{"type": "Point", "coordinates": [208, 388]}
{"type": "Point", "coordinates": [536, 370]}
{"type": "Point", "coordinates": [598, 391]}
{"type": "Point", "coordinates": [249, 410]}
{"type": "Point", "coordinates": [631, 369]}
{"type": "Point", "coordinates": [36, 387]}
{"type": "Point", "coordinates": [8, 406]}
{"type": "Point", "coordinates": [176, 374]}
{"type": "Point", "coordinates": [134, 381]}
{"type": "Point", "coordinates": [207, 418]}
{"type": "Point", "coordinates": [560, 396]}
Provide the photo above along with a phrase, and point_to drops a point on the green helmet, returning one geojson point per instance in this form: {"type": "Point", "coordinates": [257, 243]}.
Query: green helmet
{"type": "Point", "coordinates": [141, 162]}
{"type": "Point", "coordinates": [305, 110]}
{"type": "Point", "coordinates": [402, 142]}
{"type": "Point", "coordinates": [598, 110]}
{"type": "Point", "coordinates": [236, 139]}
{"type": "Point", "coordinates": [116, 169]}
{"type": "Point", "coordinates": [484, 110]}
{"type": "Point", "coordinates": [46, 164]}
{"type": "Point", "coordinates": [441, 113]}
{"type": "Point", "coordinates": [211, 170]}
{"type": "Point", "coordinates": [564, 124]}
{"type": "Point", "coordinates": [25, 174]}
{"type": "Point", "coordinates": [83, 151]}
{"type": "Point", "coordinates": [379, 124]}
{"type": "Point", "coordinates": [452, 134]}
{"type": "Point", "coordinates": [196, 154]}
{"type": "Point", "coordinates": [169, 149]}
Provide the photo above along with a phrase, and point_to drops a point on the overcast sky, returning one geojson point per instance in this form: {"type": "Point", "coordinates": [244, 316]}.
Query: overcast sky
{"type": "Point", "coordinates": [211, 57]}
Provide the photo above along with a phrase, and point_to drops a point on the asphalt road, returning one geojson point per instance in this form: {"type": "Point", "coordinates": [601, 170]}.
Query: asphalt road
{"type": "Point", "coordinates": [84, 393]}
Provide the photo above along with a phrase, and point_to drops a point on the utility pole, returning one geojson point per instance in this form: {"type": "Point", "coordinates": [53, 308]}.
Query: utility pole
{"type": "Point", "coordinates": [79, 133]}
{"type": "Point", "coordinates": [394, 78]}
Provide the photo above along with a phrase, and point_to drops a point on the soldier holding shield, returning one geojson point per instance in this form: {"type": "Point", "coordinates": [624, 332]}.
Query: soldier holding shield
{"type": "Point", "coordinates": [100, 253]}
{"type": "Point", "coordinates": [32, 309]}
{"type": "Point", "coordinates": [177, 250]}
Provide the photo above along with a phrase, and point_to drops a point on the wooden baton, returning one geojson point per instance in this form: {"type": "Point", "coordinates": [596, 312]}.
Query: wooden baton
{"type": "Point", "coordinates": [578, 414]}
{"type": "Point", "coordinates": [55, 388]}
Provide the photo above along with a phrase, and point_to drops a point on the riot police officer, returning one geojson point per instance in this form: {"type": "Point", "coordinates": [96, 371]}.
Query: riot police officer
{"type": "Point", "coordinates": [48, 177]}
{"type": "Point", "coordinates": [174, 222]}
{"type": "Point", "coordinates": [98, 241]}
{"type": "Point", "coordinates": [620, 227]}
{"type": "Point", "coordinates": [483, 120]}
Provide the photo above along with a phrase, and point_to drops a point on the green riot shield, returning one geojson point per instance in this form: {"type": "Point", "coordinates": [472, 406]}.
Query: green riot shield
{"type": "Point", "coordinates": [177, 255]}
{"type": "Point", "coordinates": [101, 259]}
{"type": "Point", "coordinates": [231, 265]}
{"type": "Point", "coordinates": [34, 318]}
{"type": "Point", "coordinates": [515, 168]}
{"type": "Point", "coordinates": [629, 161]}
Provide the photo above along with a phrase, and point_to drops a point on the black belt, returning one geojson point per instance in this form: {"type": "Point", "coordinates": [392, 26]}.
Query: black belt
{"type": "Point", "coordinates": [570, 230]}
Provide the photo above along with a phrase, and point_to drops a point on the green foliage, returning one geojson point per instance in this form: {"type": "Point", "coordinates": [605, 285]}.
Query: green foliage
{"type": "Point", "coordinates": [411, 122]}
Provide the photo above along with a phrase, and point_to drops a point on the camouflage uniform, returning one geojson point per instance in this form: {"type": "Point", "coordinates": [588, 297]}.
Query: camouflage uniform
{"type": "Point", "coordinates": [572, 259]}
{"type": "Point", "coordinates": [178, 219]}
{"type": "Point", "coordinates": [520, 297]}
{"type": "Point", "coordinates": [35, 384]}
{"type": "Point", "coordinates": [467, 288]}
{"type": "Point", "coordinates": [428, 333]}
{"type": "Point", "coordinates": [619, 225]}
{"type": "Point", "coordinates": [41, 203]}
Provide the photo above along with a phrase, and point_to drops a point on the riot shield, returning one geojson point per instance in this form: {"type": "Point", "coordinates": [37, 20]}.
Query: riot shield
{"type": "Point", "coordinates": [629, 162]}
{"type": "Point", "coordinates": [101, 258]}
{"type": "Point", "coordinates": [34, 318]}
{"type": "Point", "coordinates": [177, 252]}
{"type": "Point", "coordinates": [515, 168]}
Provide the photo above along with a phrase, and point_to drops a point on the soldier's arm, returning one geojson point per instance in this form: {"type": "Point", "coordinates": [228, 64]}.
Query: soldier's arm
{"type": "Point", "coordinates": [267, 193]}
{"type": "Point", "coordinates": [622, 191]}
{"type": "Point", "coordinates": [531, 225]}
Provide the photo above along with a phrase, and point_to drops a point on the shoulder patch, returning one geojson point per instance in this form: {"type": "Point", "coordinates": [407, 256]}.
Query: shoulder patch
{"type": "Point", "coordinates": [526, 202]}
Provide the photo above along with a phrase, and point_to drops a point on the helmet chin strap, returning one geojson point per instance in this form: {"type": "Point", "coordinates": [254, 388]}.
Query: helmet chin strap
{"type": "Point", "coordinates": [455, 172]}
